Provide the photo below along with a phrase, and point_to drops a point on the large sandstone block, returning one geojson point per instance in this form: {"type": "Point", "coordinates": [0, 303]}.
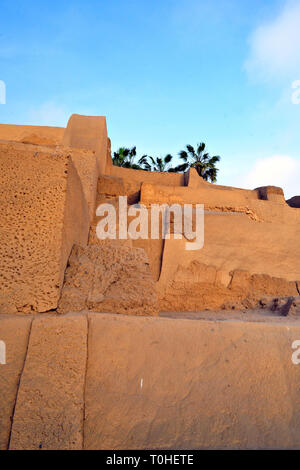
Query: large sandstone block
{"type": "Point", "coordinates": [85, 162]}
{"type": "Point", "coordinates": [88, 132]}
{"type": "Point", "coordinates": [50, 401]}
{"type": "Point", "coordinates": [109, 278]}
{"type": "Point", "coordinates": [156, 383]}
{"type": "Point", "coordinates": [43, 213]}
{"type": "Point", "coordinates": [110, 187]}
{"type": "Point", "coordinates": [193, 180]}
{"type": "Point", "coordinates": [14, 332]}
{"type": "Point", "coordinates": [271, 193]}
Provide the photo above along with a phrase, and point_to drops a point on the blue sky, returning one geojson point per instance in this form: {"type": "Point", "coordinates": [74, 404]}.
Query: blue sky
{"type": "Point", "coordinates": [165, 73]}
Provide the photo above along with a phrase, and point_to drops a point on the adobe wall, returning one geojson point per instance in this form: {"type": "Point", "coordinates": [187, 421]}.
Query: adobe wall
{"type": "Point", "coordinates": [141, 176]}
{"type": "Point", "coordinates": [241, 263]}
{"type": "Point", "coordinates": [86, 165]}
{"type": "Point", "coordinates": [251, 218]}
{"type": "Point", "coordinates": [210, 195]}
{"type": "Point", "coordinates": [251, 232]}
{"type": "Point", "coordinates": [186, 384]}
{"type": "Point", "coordinates": [88, 132]}
{"type": "Point", "coordinates": [248, 236]}
{"type": "Point", "coordinates": [43, 213]}
{"type": "Point", "coordinates": [221, 384]}
{"type": "Point", "coordinates": [37, 135]}
{"type": "Point", "coordinates": [222, 198]}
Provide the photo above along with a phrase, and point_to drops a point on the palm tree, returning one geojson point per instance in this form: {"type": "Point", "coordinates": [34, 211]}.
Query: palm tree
{"type": "Point", "coordinates": [125, 157]}
{"type": "Point", "coordinates": [202, 162]}
{"type": "Point", "coordinates": [157, 164]}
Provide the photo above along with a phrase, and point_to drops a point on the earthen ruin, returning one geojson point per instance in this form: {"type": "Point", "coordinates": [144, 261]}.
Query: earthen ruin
{"type": "Point", "coordinates": [81, 374]}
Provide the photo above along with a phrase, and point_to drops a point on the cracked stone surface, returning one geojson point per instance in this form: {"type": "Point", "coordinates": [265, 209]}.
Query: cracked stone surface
{"type": "Point", "coordinates": [109, 278]}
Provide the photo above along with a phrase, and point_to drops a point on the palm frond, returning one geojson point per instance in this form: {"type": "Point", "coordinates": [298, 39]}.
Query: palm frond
{"type": "Point", "coordinates": [152, 160]}
{"type": "Point", "coordinates": [200, 148]}
{"type": "Point", "coordinates": [191, 150]}
{"type": "Point", "coordinates": [168, 158]}
{"type": "Point", "coordinates": [183, 155]}
{"type": "Point", "coordinates": [215, 159]}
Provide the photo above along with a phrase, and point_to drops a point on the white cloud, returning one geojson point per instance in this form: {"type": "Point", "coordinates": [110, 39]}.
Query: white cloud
{"type": "Point", "coordinates": [49, 114]}
{"type": "Point", "coordinates": [277, 170]}
{"type": "Point", "coordinates": [275, 46]}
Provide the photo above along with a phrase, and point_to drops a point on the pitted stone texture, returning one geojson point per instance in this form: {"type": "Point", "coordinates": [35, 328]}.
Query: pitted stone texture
{"type": "Point", "coordinates": [43, 212]}
{"type": "Point", "coordinates": [50, 402]}
{"type": "Point", "coordinates": [15, 333]}
{"type": "Point", "coordinates": [109, 278]}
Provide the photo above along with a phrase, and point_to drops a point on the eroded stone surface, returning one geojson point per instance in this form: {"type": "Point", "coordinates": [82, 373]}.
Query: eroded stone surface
{"type": "Point", "coordinates": [41, 200]}
{"type": "Point", "coordinates": [50, 401]}
{"type": "Point", "coordinates": [200, 286]}
{"type": "Point", "coordinates": [14, 332]}
{"type": "Point", "coordinates": [109, 278]}
{"type": "Point", "coordinates": [271, 193]}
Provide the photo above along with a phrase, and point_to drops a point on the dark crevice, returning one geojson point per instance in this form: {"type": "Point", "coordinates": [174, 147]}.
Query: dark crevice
{"type": "Point", "coordinates": [85, 377]}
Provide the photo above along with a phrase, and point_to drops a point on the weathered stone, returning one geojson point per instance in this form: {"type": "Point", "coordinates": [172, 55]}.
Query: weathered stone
{"type": "Point", "coordinates": [155, 383]}
{"type": "Point", "coordinates": [50, 401]}
{"type": "Point", "coordinates": [109, 278]}
{"type": "Point", "coordinates": [41, 201]}
{"type": "Point", "coordinates": [14, 332]}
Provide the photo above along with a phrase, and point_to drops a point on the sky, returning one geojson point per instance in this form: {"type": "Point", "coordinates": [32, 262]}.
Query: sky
{"type": "Point", "coordinates": [165, 73]}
